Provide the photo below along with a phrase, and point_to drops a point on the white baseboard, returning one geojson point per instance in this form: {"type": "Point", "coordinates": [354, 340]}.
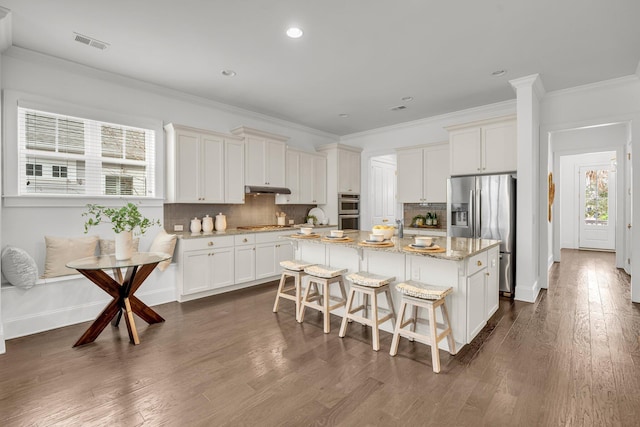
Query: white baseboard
{"type": "Point", "coordinates": [527, 294]}
{"type": "Point", "coordinates": [3, 348]}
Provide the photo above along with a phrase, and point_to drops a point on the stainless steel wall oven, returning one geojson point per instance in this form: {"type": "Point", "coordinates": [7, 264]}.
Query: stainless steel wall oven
{"type": "Point", "coordinates": [349, 211]}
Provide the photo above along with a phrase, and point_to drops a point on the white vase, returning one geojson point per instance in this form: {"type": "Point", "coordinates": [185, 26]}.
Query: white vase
{"type": "Point", "coordinates": [124, 245]}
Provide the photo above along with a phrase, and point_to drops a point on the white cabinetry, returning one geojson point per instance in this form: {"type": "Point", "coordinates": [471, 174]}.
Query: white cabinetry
{"type": "Point", "coordinates": [484, 147]}
{"type": "Point", "coordinates": [245, 258]}
{"type": "Point", "coordinates": [423, 173]}
{"type": "Point", "coordinates": [270, 251]}
{"type": "Point", "coordinates": [348, 171]}
{"type": "Point", "coordinates": [482, 290]}
{"type": "Point", "coordinates": [493, 282]}
{"type": "Point", "coordinates": [205, 264]}
{"type": "Point", "coordinates": [265, 157]}
{"type": "Point", "coordinates": [306, 177]}
{"type": "Point", "coordinates": [202, 166]}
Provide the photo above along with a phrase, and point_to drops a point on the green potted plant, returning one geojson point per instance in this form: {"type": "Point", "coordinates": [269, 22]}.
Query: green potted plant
{"type": "Point", "coordinates": [311, 219]}
{"type": "Point", "coordinates": [124, 221]}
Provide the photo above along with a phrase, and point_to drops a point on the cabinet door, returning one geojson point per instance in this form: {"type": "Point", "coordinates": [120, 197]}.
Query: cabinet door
{"type": "Point", "coordinates": [234, 172]}
{"type": "Point", "coordinates": [245, 263]}
{"type": "Point", "coordinates": [255, 153]}
{"type": "Point", "coordinates": [500, 147]}
{"type": "Point", "coordinates": [292, 177]}
{"type": "Point", "coordinates": [212, 151]}
{"type": "Point", "coordinates": [274, 163]}
{"type": "Point", "coordinates": [465, 151]}
{"type": "Point", "coordinates": [409, 172]}
{"type": "Point", "coordinates": [319, 180]}
{"type": "Point", "coordinates": [436, 172]}
{"type": "Point", "coordinates": [266, 265]}
{"type": "Point", "coordinates": [222, 267]}
{"type": "Point", "coordinates": [188, 177]}
{"type": "Point", "coordinates": [348, 171]}
{"type": "Point", "coordinates": [476, 303]}
{"type": "Point", "coordinates": [284, 251]}
{"type": "Point", "coordinates": [306, 179]}
{"type": "Point", "coordinates": [493, 283]}
{"type": "Point", "coordinates": [196, 271]}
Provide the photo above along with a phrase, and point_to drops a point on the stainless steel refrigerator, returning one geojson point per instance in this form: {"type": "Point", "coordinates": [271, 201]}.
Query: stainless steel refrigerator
{"type": "Point", "coordinates": [485, 207]}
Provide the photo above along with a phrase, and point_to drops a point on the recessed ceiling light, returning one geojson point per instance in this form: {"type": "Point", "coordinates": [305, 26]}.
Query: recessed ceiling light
{"type": "Point", "coordinates": [294, 32]}
{"type": "Point", "coordinates": [499, 73]}
{"type": "Point", "coordinates": [407, 98]}
{"type": "Point", "coordinates": [343, 115]}
{"type": "Point", "coordinates": [398, 108]}
{"type": "Point", "coordinates": [228, 73]}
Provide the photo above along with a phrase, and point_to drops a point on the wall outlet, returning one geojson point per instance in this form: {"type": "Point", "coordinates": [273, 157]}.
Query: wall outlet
{"type": "Point", "coordinates": [178, 227]}
{"type": "Point", "coordinates": [291, 222]}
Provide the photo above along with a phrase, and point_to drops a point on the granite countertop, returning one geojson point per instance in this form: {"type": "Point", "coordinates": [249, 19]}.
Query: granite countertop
{"type": "Point", "coordinates": [437, 228]}
{"type": "Point", "coordinates": [235, 231]}
{"type": "Point", "coordinates": [457, 248]}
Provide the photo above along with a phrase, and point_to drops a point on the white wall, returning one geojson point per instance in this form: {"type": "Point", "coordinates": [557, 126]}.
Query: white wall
{"type": "Point", "coordinates": [568, 186]}
{"type": "Point", "coordinates": [609, 102]}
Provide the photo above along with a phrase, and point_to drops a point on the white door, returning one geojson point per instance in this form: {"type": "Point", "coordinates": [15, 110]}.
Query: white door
{"type": "Point", "coordinates": [383, 192]}
{"type": "Point", "coordinates": [628, 202]}
{"type": "Point", "coordinates": [597, 207]}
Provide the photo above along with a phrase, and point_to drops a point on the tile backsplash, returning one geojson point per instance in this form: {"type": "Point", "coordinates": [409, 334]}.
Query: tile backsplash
{"type": "Point", "coordinates": [256, 210]}
{"type": "Point", "coordinates": [413, 209]}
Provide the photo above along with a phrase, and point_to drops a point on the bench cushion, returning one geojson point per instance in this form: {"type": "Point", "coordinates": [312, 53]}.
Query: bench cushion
{"type": "Point", "coordinates": [61, 250]}
{"type": "Point", "coordinates": [19, 268]}
{"type": "Point", "coordinates": [422, 290]}
{"type": "Point", "coordinates": [164, 243]}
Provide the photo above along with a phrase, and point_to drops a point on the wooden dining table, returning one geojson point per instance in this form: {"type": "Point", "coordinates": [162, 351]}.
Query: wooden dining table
{"type": "Point", "coordinates": [122, 288]}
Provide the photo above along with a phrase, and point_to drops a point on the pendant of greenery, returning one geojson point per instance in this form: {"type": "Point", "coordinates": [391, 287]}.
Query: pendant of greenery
{"type": "Point", "coordinates": [126, 218]}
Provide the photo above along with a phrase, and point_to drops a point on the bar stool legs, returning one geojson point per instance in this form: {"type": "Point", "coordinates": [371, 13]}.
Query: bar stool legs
{"type": "Point", "coordinates": [293, 269]}
{"type": "Point", "coordinates": [322, 276]}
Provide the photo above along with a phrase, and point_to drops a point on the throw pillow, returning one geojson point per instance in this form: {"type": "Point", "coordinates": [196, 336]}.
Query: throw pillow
{"type": "Point", "coordinates": [164, 243]}
{"type": "Point", "coordinates": [108, 247]}
{"type": "Point", "coordinates": [19, 268]}
{"type": "Point", "coordinates": [61, 250]}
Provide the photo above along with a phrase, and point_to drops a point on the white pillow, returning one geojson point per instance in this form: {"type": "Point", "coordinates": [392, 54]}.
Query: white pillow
{"type": "Point", "coordinates": [19, 268]}
{"type": "Point", "coordinates": [164, 243]}
{"type": "Point", "coordinates": [108, 247]}
{"type": "Point", "coordinates": [61, 250]}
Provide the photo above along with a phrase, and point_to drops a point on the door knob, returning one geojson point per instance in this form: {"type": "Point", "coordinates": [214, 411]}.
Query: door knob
{"type": "Point", "coordinates": [629, 226]}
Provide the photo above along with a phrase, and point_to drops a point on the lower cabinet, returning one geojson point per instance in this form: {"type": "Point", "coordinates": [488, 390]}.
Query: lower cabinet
{"type": "Point", "coordinates": [206, 269]}
{"type": "Point", "coordinates": [482, 290]}
{"type": "Point", "coordinates": [493, 282]}
{"type": "Point", "coordinates": [269, 255]}
{"type": "Point", "coordinates": [245, 261]}
{"type": "Point", "coordinates": [476, 297]}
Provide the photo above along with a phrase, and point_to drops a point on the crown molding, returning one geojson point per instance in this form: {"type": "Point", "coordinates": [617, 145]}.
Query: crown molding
{"type": "Point", "coordinates": [618, 81]}
{"type": "Point", "coordinates": [502, 108]}
{"type": "Point", "coordinates": [77, 68]}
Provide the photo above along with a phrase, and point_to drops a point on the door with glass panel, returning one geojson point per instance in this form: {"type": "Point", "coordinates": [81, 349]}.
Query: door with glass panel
{"type": "Point", "coordinates": [597, 207]}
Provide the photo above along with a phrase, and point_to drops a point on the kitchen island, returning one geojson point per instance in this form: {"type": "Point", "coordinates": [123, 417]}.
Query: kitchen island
{"type": "Point", "coordinates": [469, 266]}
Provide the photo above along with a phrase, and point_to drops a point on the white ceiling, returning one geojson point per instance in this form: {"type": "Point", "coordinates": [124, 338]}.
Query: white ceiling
{"type": "Point", "coordinates": [358, 57]}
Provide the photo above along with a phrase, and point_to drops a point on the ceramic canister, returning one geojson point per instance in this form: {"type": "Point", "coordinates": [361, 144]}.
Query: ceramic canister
{"type": "Point", "coordinates": [221, 222]}
{"type": "Point", "coordinates": [196, 225]}
{"type": "Point", "coordinates": [207, 224]}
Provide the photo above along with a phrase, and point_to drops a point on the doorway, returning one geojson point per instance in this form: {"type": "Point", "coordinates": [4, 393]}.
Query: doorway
{"type": "Point", "coordinates": [597, 207]}
{"type": "Point", "coordinates": [382, 188]}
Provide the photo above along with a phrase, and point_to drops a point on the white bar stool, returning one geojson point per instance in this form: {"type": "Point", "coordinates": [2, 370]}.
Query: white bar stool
{"type": "Point", "coordinates": [295, 269]}
{"type": "Point", "coordinates": [323, 275]}
{"type": "Point", "coordinates": [417, 295]}
{"type": "Point", "coordinates": [369, 285]}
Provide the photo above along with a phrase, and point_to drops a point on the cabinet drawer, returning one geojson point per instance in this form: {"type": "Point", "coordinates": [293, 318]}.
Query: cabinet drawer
{"type": "Point", "coordinates": [476, 263]}
{"type": "Point", "coordinates": [273, 236]}
{"type": "Point", "coordinates": [245, 239]}
{"type": "Point", "coordinates": [206, 243]}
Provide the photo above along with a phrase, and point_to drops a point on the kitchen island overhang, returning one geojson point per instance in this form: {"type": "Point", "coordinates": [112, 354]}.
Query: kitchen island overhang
{"type": "Point", "coordinates": [469, 266]}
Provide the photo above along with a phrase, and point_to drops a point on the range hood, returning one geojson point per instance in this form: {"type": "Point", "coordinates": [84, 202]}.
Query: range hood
{"type": "Point", "coordinates": [254, 189]}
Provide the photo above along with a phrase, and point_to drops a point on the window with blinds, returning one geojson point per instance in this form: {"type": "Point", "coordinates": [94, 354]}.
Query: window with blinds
{"type": "Point", "coordinates": [62, 155]}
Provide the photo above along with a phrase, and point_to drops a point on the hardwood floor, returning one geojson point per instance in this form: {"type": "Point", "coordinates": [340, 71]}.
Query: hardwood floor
{"type": "Point", "coordinates": [572, 358]}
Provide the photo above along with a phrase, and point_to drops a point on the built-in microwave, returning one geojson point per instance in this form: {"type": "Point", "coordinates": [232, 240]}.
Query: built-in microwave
{"type": "Point", "coordinates": [348, 204]}
{"type": "Point", "coordinates": [349, 222]}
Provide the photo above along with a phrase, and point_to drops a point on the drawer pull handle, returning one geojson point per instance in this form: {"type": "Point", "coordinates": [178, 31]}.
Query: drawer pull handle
{"type": "Point", "coordinates": [487, 274]}
{"type": "Point", "coordinates": [210, 243]}
{"type": "Point", "coordinates": [479, 263]}
{"type": "Point", "coordinates": [244, 240]}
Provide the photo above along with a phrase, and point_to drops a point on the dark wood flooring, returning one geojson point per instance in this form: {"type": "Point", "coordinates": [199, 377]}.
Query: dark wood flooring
{"type": "Point", "coordinates": [572, 358]}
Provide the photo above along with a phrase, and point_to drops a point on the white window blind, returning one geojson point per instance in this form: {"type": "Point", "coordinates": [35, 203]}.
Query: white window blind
{"type": "Point", "coordinates": [62, 155]}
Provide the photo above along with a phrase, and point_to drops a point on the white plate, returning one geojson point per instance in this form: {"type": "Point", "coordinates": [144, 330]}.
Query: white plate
{"type": "Point", "coordinates": [336, 237]}
{"type": "Point", "coordinates": [375, 242]}
{"type": "Point", "coordinates": [414, 246]}
{"type": "Point", "coordinates": [318, 213]}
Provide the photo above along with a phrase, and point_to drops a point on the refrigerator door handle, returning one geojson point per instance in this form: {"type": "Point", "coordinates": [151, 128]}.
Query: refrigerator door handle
{"type": "Point", "coordinates": [472, 213]}
{"type": "Point", "coordinates": [478, 217]}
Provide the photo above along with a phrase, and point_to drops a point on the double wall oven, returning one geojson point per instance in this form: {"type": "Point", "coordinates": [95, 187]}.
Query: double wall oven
{"type": "Point", "coordinates": [349, 211]}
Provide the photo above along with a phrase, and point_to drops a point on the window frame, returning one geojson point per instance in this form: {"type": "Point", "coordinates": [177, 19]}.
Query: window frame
{"type": "Point", "coordinates": [11, 191]}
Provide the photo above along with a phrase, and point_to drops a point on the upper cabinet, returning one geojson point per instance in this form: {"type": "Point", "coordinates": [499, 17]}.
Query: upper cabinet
{"type": "Point", "coordinates": [484, 147]}
{"type": "Point", "coordinates": [306, 177]}
{"type": "Point", "coordinates": [348, 170]}
{"type": "Point", "coordinates": [265, 157]}
{"type": "Point", "coordinates": [422, 173]}
{"type": "Point", "coordinates": [202, 166]}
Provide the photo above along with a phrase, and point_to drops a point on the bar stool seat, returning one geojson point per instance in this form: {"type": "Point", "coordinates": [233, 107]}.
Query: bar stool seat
{"type": "Point", "coordinates": [369, 285]}
{"type": "Point", "coordinates": [422, 295]}
{"type": "Point", "coordinates": [325, 276]}
{"type": "Point", "coordinates": [295, 269]}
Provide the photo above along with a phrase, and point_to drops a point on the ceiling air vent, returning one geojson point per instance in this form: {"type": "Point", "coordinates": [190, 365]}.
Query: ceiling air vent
{"type": "Point", "coordinates": [90, 41]}
{"type": "Point", "coordinates": [398, 108]}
